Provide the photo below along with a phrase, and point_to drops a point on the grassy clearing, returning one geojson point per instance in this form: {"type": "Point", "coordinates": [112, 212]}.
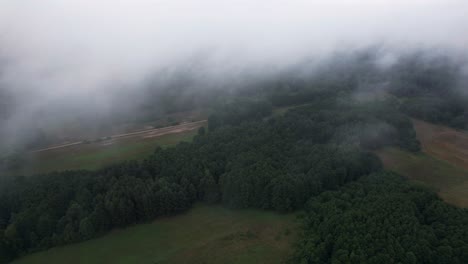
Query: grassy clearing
{"type": "Point", "coordinates": [442, 165]}
{"type": "Point", "coordinates": [451, 182]}
{"type": "Point", "coordinates": [97, 155]}
{"type": "Point", "coordinates": [443, 142]}
{"type": "Point", "coordinates": [205, 234]}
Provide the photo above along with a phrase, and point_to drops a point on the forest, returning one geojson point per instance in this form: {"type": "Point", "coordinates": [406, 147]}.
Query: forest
{"type": "Point", "coordinates": [381, 218]}
{"type": "Point", "coordinates": [266, 164]}
{"type": "Point", "coordinates": [431, 89]}
{"type": "Point", "coordinates": [317, 156]}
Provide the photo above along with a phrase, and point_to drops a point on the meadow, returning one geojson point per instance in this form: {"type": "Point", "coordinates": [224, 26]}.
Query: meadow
{"type": "Point", "coordinates": [441, 165]}
{"type": "Point", "coordinates": [96, 155]}
{"type": "Point", "coordinates": [448, 180]}
{"type": "Point", "coordinates": [443, 142]}
{"type": "Point", "coordinates": [204, 234]}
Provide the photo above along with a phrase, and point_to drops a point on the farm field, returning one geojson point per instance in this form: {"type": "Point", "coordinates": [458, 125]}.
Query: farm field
{"type": "Point", "coordinates": [131, 146]}
{"type": "Point", "coordinates": [443, 142]}
{"type": "Point", "coordinates": [448, 180]}
{"type": "Point", "coordinates": [205, 234]}
{"type": "Point", "coordinates": [442, 165]}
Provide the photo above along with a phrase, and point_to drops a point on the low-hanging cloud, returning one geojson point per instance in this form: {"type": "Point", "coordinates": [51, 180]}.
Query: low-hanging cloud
{"type": "Point", "coordinates": [73, 54]}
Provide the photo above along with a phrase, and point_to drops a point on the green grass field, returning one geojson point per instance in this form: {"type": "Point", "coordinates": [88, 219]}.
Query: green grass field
{"type": "Point", "coordinates": [442, 164]}
{"type": "Point", "coordinates": [450, 181]}
{"type": "Point", "coordinates": [96, 155]}
{"type": "Point", "coordinates": [443, 142]}
{"type": "Point", "coordinates": [205, 234]}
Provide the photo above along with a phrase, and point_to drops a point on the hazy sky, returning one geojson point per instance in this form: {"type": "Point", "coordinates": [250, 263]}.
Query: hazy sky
{"type": "Point", "coordinates": [84, 43]}
{"type": "Point", "coordinates": [65, 50]}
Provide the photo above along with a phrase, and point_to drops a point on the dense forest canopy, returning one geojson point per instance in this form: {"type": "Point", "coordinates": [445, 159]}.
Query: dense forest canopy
{"type": "Point", "coordinates": [273, 163]}
{"type": "Point", "coordinates": [381, 218]}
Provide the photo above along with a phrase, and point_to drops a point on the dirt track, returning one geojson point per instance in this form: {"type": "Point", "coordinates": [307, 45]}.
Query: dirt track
{"type": "Point", "coordinates": [154, 132]}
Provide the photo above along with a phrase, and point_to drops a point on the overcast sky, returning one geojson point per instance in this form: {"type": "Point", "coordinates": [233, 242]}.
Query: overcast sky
{"type": "Point", "coordinates": [82, 43]}
{"type": "Point", "coordinates": [55, 50]}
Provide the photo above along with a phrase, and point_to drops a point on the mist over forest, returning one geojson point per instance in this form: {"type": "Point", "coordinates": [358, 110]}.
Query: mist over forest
{"type": "Point", "coordinates": [80, 64]}
{"type": "Point", "coordinates": [230, 119]}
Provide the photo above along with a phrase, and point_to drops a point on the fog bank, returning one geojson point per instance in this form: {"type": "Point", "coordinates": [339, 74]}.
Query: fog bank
{"type": "Point", "coordinates": [66, 57]}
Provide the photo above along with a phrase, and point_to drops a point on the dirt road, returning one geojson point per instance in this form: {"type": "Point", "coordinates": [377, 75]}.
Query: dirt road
{"type": "Point", "coordinates": [154, 132]}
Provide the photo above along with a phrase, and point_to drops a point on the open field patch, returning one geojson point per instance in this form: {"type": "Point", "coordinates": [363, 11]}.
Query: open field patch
{"type": "Point", "coordinates": [205, 234]}
{"type": "Point", "coordinates": [442, 165]}
{"type": "Point", "coordinates": [95, 155]}
{"type": "Point", "coordinates": [443, 142]}
{"type": "Point", "coordinates": [450, 182]}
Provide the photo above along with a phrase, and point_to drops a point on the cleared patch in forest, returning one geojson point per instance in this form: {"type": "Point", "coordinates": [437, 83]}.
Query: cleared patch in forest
{"type": "Point", "coordinates": [443, 142]}
{"type": "Point", "coordinates": [95, 155]}
{"type": "Point", "coordinates": [205, 234]}
{"type": "Point", "coordinates": [450, 181]}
